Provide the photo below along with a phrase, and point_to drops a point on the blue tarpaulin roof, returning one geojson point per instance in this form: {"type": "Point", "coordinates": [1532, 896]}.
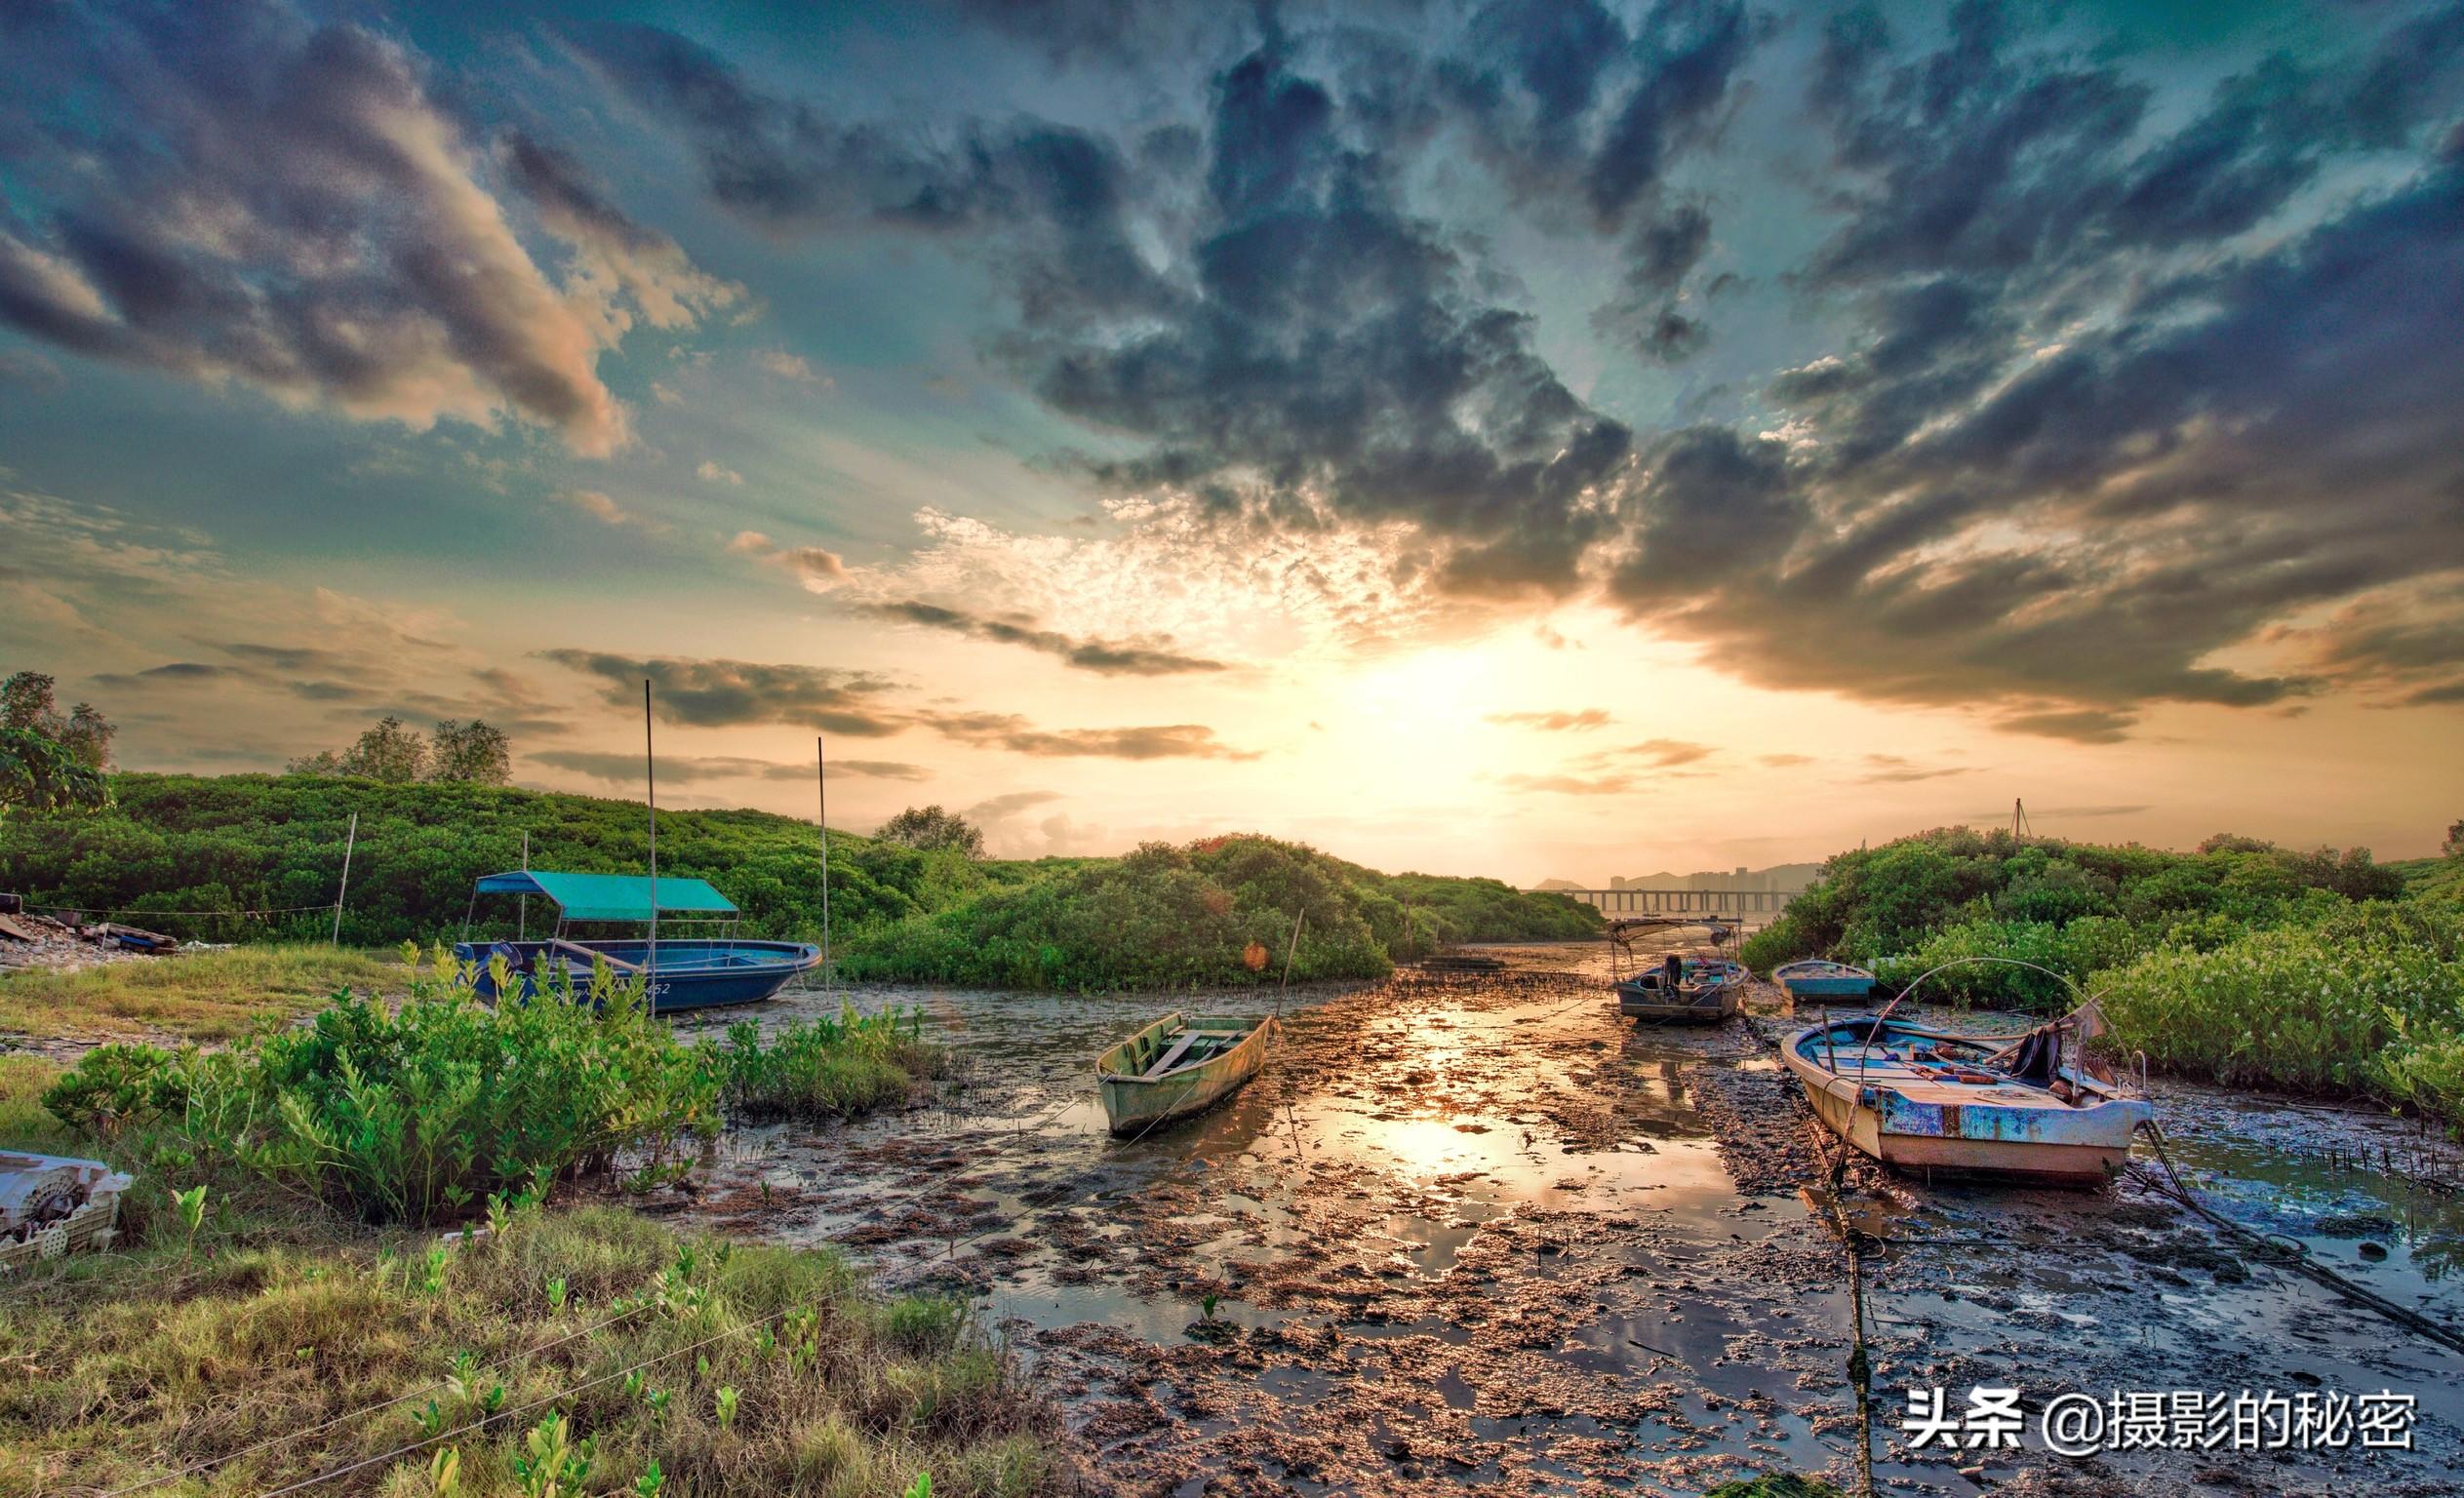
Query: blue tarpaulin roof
{"type": "Point", "coordinates": [610, 896]}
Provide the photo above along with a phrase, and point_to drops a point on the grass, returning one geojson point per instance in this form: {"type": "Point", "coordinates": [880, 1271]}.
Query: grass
{"type": "Point", "coordinates": [770, 1370]}
{"type": "Point", "coordinates": [205, 997]}
{"type": "Point", "coordinates": [826, 1068]}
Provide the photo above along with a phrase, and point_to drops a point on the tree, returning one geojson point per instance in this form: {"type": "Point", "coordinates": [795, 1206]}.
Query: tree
{"type": "Point", "coordinates": [26, 702]}
{"type": "Point", "coordinates": [2235, 843]}
{"type": "Point", "coordinates": [924, 828]}
{"type": "Point", "coordinates": [388, 752]}
{"type": "Point", "coordinates": [472, 752]}
{"type": "Point", "coordinates": [2453, 847]}
{"type": "Point", "coordinates": [40, 774]}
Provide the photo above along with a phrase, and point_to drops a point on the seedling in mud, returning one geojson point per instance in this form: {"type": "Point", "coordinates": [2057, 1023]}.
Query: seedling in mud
{"type": "Point", "coordinates": [1207, 1303]}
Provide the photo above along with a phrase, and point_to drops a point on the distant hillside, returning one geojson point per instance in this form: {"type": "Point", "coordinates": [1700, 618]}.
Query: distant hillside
{"type": "Point", "coordinates": [173, 849]}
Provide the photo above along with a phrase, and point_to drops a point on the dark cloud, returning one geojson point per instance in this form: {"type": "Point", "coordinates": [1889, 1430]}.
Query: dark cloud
{"type": "Point", "coordinates": [235, 194]}
{"type": "Point", "coordinates": [2080, 725]}
{"type": "Point", "coordinates": [169, 672]}
{"type": "Point", "coordinates": [1057, 197]}
{"type": "Point", "coordinates": [1313, 353]}
{"type": "Point", "coordinates": [1103, 657]}
{"type": "Point", "coordinates": [1556, 723]}
{"type": "Point", "coordinates": [646, 264]}
{"type": "Point", "coordinates": [717, 694]}
{"type": "Point", "coordinates": [1001, 808]}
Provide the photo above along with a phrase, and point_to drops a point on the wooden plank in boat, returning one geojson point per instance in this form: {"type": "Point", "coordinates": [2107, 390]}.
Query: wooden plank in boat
{"type": "Point", "coordinates": [1171, 1057]}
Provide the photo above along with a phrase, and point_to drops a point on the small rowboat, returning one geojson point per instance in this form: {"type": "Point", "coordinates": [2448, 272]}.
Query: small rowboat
{"type": "Point", "coordinates": [1707, 991]}
{"type": "Point", "coordinates": [1931, 1101]}
{"type": "Point", "coordinates": [1177, 1067]}
{"type": "Point", "coordinates": [1813, 977]}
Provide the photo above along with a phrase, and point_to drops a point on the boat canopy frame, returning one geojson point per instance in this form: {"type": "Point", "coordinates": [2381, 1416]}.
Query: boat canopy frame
{"type": "Point", "coordinates": [601, 898]}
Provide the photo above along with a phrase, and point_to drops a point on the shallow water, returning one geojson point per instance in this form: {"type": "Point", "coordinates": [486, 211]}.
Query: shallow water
{"type": "Point", "coordinates": [1475, 1231]}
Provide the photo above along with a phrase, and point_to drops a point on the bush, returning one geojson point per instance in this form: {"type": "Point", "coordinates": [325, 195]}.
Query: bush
{"type": "Point", "coordinates": [1171, 917]}
{"type": "Point", "coordinates": [2369, 998]}
{"type": "Point", "coordinates": [1975, 961]}
{"type": "Point", "coordinates": [419, 1113]}
{"type": "Point", "coordinates": [826, 1068]}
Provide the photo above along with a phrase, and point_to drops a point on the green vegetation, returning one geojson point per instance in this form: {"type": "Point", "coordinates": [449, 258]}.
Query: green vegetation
{"type": "Point", "coordinates": [1775, 1485]}
{"type": "Point", "coordinates": [2243, 963]}
{"type": "Point", "coordinates": [606, 1354]}
{"type": "Point", "coordinates": [269, 842]}
{"type": "Point", "coordinates": [827, 1067]}
{"type": "Point", "coordinates": [419, 1113]}
{"type": "Point", "coordinates": [197, 996]}
{"type": "Point", "coordinates": [1221, 911]}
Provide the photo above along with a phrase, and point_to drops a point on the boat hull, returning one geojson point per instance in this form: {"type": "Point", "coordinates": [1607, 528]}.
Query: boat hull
{"type": "Point", "coordinates": [1931, 1134]}
{"type": "Point", "coordinates": [1134, 1104]}
{"type": "Point", "coordinates": [1650, 1007]}
{"type": "Point", "coordinates": [694, 974]}
{"type": "Point", "coordinates": [1825, 980]}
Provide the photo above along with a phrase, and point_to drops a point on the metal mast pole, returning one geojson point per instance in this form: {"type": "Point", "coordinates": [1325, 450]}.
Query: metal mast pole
{"type": "Point", "coordinates": [821, 772]}
{"type": "Point", "coordinates": [649, 777]}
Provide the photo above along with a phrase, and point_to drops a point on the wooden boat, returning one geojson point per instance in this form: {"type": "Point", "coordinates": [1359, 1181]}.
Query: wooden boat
{"type": "Point", "coordinates": [1931, 1101]}
{"type": "Point", "coordinates": [1813, 977]}
{"type": "Point", "coordinates": [1180, 1066]}
{"type": "Point", "coordinates": [689, 974]}
{"type": "Point", "coordinates": [1704, 991]}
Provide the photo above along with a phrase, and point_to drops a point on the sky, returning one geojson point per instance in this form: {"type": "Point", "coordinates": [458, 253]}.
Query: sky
{"type": "Point", "coordinates": [1553, 440]}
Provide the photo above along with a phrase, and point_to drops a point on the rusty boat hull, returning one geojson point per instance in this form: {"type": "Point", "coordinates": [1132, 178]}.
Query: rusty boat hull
{"type": "Point", "coordinates": [1917, 1100]}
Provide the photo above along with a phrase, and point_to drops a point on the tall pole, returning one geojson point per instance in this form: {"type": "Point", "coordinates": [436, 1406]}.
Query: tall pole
{"type": "Point", "coordinates": [650, 779]}
{"type": "Point", "coordinates": [522, 906]}
{"type": "Point", "coordinates": [348, 843]}
{"type": "Point", "coordinates": [821, 772]}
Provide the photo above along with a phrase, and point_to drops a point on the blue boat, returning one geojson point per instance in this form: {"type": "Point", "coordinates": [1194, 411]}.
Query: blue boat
{"type": "Point", "coordinates": [1813, 977]}
{"type": "Point", "coordinates": [687, 974]}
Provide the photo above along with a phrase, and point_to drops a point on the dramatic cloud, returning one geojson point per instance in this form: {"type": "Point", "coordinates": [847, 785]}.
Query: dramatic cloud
{"type": "Point", "coordinates": [717, 694]}
{"type": "Point", "coordinates": [1103, 657]}
{"type": "Point", "coordinates": [818, 569]}
{"type": "Point", "coordinates": [235, 195]}
{"type": "Point", "coordinates": [1554, 723]}
{"type": "Point", "coordinates": [611, 251]}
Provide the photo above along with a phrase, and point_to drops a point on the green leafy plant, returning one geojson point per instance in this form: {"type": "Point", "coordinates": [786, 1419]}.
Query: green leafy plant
{"type": "Point", "coordinates": [191, 1205]}
{"type": "Point", "coordinates": [922, 1487]}
{"type": "Point", "coordinates": [651, 1481]}
{"type": "Point", "coordinates": [725, 1408]}
{"type": "Point", "coordinates": [556, 1293]}
{"type": "Point", "coordinates": [550, 1464]}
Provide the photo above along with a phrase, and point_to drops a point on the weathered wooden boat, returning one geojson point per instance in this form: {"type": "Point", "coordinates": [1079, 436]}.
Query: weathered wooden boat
{"type": "Point", "coordinates": [1935, 1102]}
{"type": "Point", "coordinates": [1180, 1066]}
{"type": "Point", "coordinates": [687, 974]}
{"type": "Point", "coordinates": [1683, 991]}
{"type": "Point", "coordinates": [1813, 977]}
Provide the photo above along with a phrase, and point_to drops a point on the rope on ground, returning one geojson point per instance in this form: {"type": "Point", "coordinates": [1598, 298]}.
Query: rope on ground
{"type": "Point", "coordinates": [2285, 1251]}
{"type": "Point", "coordinates": [270, 1441]}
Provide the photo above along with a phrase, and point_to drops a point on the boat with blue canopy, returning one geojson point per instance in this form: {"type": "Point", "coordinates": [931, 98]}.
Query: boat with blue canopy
{"type": "Point", "coordinates": [694, 972]}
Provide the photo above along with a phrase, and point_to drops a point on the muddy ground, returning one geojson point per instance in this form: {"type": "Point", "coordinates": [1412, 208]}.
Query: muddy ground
{"type": "Point", "coordinates": [1472, 1232]}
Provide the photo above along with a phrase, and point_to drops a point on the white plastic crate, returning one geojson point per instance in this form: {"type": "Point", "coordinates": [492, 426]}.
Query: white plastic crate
{"type": "Point", "coordinates": [35, 1184]}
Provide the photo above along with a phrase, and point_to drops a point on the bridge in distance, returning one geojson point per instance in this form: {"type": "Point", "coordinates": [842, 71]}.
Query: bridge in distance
{"type": "Point", "coordinates": [1747, 907]}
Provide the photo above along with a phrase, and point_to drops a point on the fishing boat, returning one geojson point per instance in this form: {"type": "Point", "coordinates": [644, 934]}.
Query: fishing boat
{"type": "Point", "coordinates": [1698, 988]}
{"type": "Point", "coordinates": [1935, 1102]}
{"type": "Point", "coordinates": [1813, 977]}
{"type": "Point", "coordinates": [691, 973]}
{"type": "Point", "coordinates": [1180, 1066]}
